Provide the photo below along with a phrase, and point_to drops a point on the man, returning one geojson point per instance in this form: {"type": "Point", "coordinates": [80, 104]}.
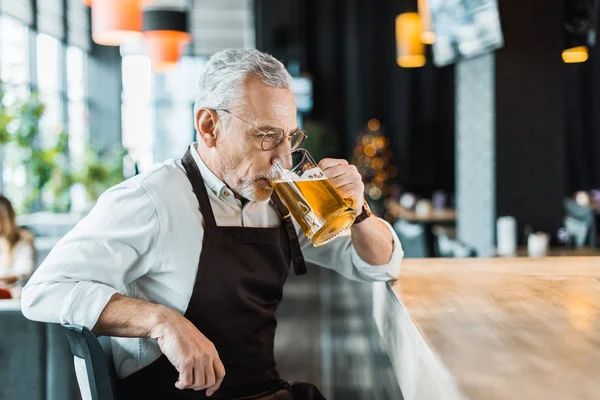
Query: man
{"type": "Point", "coordinates": [184, 265]}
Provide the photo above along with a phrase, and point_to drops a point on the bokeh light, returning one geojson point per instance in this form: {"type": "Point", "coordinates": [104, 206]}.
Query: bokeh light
{"type": "Point", "coordinates": [370, 150]}
{"type": "Point", "coordinates": [375, 193]}
{"type": "Point", "coordinates": [373, 125]}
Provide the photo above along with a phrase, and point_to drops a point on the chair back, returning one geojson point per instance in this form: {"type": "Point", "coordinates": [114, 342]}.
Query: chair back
{"type": "Point", "coordinates": [580, 223]}
{"type": "Point", "coordinates": [99, 380]}
{"type": "Point", "coordinates": [447, 245]}
{"type": "Point", "coordinates": [413, 238]}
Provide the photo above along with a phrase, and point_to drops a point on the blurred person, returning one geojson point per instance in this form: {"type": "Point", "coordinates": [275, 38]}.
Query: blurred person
{"type": "Point", "coordinates": [184, 266]}
{"type": "Point", "coordinates": [17, 253]}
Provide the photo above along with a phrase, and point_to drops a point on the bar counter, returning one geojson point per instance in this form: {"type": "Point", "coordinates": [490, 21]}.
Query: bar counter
{"type": "Point", "coordinates": [493, 329]}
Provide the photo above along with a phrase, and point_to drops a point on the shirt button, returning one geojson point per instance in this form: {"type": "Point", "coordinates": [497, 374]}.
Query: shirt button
{"type": "Point", "coordinates": [227, 193]}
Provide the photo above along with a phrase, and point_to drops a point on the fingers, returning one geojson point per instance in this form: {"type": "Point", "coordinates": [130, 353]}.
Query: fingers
{"type": "Point", "coordinates": [219, 375]}
{"type": "Point", "coordinates": [186, 377]}
{"type": "Point", "coordinates": [343, 175]}
{"type": "Point", "coordinates": [327, 163]}
{"type": "Point", "coordinates": [210, 375]}
{"type": "Point", "coordinates": [200, 373]}
{"type": "Point", "coordinates": [344, 180]}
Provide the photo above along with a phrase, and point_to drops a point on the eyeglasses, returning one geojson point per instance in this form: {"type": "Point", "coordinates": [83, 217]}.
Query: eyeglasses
{"type": "Point", "coordinates": [274, 136]}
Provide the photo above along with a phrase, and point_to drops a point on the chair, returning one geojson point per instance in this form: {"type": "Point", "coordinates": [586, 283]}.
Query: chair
{"type": "Point", "coordinates": [447, 245]}
{"type": "Point", "coordinates": [462, 250]}
{"type": "Point", "coordinates": [413, 238]}
{"type": "Point", "coordinates": [580, 223]}
{"type": "Point", "coordinates": [90, 354]}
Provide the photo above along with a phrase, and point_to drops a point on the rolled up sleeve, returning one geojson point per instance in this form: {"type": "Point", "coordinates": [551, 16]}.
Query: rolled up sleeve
{"type": "Point", "coordinates": [341, 256]}
{"type": "Point", "coordinates": [384, 272]}
{"type": "Point", "coordinates": [113, 245]}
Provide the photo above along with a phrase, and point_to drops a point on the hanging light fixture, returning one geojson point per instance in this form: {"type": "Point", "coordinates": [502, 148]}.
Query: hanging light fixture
{"type": "Point", "coordinates": [410, 48]}
{"type": "Point", "coordinates": [165, 33]}
{"type": "Point", "coordinates": [427, 34]}
{"type": "Point", "coordinates": [115, 21]}
{"type": "Point", "coordinates": [577, 54]}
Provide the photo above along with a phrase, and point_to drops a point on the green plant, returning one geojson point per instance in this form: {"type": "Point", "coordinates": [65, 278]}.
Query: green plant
{"type": "Point", "coordinates": [101, 170]}
{"type": "Point", "coordinates": [6, 117]}
{"type": "Point", "coordinates": [48, 176]}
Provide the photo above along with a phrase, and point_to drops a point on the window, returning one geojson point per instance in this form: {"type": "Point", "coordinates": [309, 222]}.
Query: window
{"type": "Point", "coordinates": [158, 107]}
{"type": "Point", "coordinates": [176, 107]}
{"type": "Point", "coordinates": [14, 72]}
{"type": "Point", "coordinates": [49, 85]}
{"type": "Point", "coordinates": [138, 118]}
{"type": "Point", "coordinates": [14, 58]}
{"type": "Point", "coordinates": [31, 61]}
{"type": "Point", "coordinates": [77, 107]}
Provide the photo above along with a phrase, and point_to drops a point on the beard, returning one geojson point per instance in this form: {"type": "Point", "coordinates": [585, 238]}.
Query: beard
{"type": "Point", "coordinates": [253, 188]}
{"type": "Point", "coordinates": [257, 190]}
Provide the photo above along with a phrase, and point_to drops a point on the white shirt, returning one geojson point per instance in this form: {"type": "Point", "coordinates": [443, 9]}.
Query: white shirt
{"type": "Point", "coordinates": [143, 239]}
{"type": "Point", "coordinates": [20, 262]}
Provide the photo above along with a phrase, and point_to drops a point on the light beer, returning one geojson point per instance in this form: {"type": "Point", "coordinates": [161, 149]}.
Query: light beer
{"type": "Point", "coordinates": [316, 206]}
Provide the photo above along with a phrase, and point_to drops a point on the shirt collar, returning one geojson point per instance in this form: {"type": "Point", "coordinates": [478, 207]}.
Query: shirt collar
{"type": "Point", "coordinates": [217, 186]}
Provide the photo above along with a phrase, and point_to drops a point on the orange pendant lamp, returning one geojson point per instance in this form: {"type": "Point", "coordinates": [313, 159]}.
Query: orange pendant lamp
{"type": "Point", "coordinates": [115, 21]}
{"type": "Point", "coordinates": [165, 33]}
{"type": "Point", "coordinates": [410, 48]}
{"type": "Point", "coordinates": [576, 54]}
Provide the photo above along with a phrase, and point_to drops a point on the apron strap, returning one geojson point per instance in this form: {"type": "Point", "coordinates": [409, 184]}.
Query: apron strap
{"type": "Point", "coordinates": [195, 177]}
{"type": "Point", "coordinates": [295, 251]}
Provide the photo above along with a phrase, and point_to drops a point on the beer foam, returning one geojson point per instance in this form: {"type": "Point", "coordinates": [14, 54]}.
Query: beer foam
{"type": "Point", "coordinates": [313, 174]}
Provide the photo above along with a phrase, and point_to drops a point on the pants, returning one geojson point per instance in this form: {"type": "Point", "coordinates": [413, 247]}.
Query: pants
{"type": "Point", "coordinates": [295, 391]}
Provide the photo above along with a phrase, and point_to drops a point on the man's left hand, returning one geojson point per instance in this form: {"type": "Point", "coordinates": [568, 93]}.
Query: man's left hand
{"type": "Point", "coordinates": [346, 179]}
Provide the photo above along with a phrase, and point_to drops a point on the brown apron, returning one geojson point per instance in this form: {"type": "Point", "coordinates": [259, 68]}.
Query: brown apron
{"type": "Point", "coordinates": [238, 287]}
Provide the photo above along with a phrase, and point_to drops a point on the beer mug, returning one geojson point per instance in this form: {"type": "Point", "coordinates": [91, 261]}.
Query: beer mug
{"type": "Point", "coordinates": [310, 197]}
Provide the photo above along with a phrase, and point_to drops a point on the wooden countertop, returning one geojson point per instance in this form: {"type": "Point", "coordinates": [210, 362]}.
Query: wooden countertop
{"type": "Point", "coordinates": [493, 329]}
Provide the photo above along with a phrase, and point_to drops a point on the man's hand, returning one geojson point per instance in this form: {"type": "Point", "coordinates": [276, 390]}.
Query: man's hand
{"type": "Point", "coordinates": [192, 354]}
{"type": "Point", "coordinates": [346, 179]}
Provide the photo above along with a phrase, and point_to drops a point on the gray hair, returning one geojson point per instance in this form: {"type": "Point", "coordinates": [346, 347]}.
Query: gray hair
{"type": "Point", "coordinates": [220, 84]}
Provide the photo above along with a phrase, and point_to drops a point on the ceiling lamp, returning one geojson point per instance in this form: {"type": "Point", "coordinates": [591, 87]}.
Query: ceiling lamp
{"type": "Point", "coordinates": [165, 33]}
{"type": "Point", "coordinates": [115, 21]}
{"type": "Point", "coordinates": [577, 54]}
{"type": "Point", "coordinates": [427, 34]}
{"type": "Point", "coordinates": [410, 48]}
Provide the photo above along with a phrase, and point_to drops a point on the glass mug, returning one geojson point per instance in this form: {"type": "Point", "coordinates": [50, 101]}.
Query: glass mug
{"type": "Point", "coordinates": [311, 198]}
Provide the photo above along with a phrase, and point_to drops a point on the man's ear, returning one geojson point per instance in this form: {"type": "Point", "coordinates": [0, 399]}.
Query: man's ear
{"type": "Point", "coordinates": [206, 126]}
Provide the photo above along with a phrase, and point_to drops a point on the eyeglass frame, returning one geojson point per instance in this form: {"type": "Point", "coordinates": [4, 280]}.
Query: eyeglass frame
{"type": "Point", "coordinates": [265, 134]}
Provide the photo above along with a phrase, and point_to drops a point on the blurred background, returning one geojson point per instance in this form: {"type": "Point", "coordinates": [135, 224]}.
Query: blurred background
{"type": "Point", "coordinates": [473, 122]}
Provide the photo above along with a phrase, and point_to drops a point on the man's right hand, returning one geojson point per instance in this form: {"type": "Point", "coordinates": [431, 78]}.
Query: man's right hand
{"type": "Point", "coordinates": [193, 355]}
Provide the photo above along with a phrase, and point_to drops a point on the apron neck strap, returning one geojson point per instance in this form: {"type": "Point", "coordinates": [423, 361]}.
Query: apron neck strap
{"type": "Point", "coordinates": [195, 177]}
{"type": "Point", "coordinates": [295, 251]}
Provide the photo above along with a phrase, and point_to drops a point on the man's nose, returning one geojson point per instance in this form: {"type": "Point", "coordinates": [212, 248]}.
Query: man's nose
{"type": "Point", "coordinates": [282, 153]}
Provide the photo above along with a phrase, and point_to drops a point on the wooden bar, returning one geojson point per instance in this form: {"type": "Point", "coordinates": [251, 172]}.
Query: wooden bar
{"type": "Point", "coordinates": [493, 329]}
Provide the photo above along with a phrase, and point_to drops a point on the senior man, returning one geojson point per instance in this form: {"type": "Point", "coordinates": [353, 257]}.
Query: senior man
{"type": "Point", "coordinates": [184, 265]}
